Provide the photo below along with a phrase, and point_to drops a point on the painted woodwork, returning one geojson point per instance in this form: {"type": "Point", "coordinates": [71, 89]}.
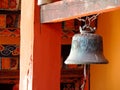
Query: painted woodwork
{"type": "Point", "coordinates": [71, 9]}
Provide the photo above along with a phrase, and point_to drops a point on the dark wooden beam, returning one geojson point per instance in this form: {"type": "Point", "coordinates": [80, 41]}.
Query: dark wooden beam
{"type": "Point", "coordinates": [9, 76]}
{"type": "Point", "coordinates": [10, 12]}
{"type": "Point", "coordinates": [71, 9]}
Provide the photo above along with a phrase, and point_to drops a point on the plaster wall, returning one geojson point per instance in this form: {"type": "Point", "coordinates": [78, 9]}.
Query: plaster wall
{"type": "Point", "coordinates": [26, 44]}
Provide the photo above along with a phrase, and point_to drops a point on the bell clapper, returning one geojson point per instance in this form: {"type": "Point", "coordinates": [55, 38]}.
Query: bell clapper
{"type": "Point", "coordinates": [86, 74]}
{"type": "Point", "coordinates": [84, 78]}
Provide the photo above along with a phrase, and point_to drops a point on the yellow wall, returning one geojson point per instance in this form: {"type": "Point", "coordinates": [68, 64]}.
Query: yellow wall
{"type": "Point", "coordinates": [107, 77]}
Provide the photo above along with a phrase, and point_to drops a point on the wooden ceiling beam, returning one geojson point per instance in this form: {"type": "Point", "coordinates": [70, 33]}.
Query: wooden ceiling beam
{"type": "Point", "coordinates": [71, 9]}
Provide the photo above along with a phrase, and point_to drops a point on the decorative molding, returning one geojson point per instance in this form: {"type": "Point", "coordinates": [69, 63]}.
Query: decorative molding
{"type": "Point", "coordinates": [9, 4]}
{"type": "Point", "coordinates": [9, 50]}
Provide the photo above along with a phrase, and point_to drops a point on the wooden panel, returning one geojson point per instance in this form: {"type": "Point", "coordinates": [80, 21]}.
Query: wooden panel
{"type": "Point", "coordinates": [71, 9]}
{"type": "Point", "coordinates": [72, 73]}
{"type": "Point", "coordinates": [71, 79]}
{"type": "Point", "coordinates": [9, 76]}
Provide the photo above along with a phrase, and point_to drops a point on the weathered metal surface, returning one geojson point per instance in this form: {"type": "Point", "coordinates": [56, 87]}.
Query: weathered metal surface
{"type": "Point", "coordinates": [87, 48]}
{"type": "Point", "coordinates": [71, 9]}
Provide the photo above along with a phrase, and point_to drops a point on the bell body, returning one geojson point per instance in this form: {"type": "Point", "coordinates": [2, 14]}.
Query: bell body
{"type": "Point", "coordinates": [86, 48]}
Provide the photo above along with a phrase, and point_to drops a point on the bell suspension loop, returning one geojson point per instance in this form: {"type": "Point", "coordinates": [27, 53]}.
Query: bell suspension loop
{"type": "Point", "coordinates": [87, 24]}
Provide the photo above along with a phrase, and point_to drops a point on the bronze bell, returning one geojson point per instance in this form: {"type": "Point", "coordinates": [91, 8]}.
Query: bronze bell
{"type": "Point", "coordinates": [86, 48]}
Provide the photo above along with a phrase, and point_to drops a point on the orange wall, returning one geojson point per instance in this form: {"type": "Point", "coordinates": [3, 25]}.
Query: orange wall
{"type": "Point", "coordinates": [107, 77]}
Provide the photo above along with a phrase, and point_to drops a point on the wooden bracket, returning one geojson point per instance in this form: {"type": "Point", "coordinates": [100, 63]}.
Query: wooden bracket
{"type": "Point", "coordinates": [71, 9]}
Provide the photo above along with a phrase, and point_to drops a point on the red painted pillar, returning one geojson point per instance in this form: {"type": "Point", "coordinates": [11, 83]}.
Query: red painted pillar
{"type": "Point", "coordinates": [46, 58]}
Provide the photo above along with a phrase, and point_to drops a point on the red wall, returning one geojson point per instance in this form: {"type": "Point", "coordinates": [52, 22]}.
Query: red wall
{"type": "Point", "coordinates": [47, 50]}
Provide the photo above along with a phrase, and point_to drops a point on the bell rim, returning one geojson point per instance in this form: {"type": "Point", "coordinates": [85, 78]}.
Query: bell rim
{"type": "Point", "coordinates": [73, 62]}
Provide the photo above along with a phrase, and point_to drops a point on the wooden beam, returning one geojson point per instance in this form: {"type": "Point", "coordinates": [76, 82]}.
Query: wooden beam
{"type": "Point", "coordinates": [71, 9]}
